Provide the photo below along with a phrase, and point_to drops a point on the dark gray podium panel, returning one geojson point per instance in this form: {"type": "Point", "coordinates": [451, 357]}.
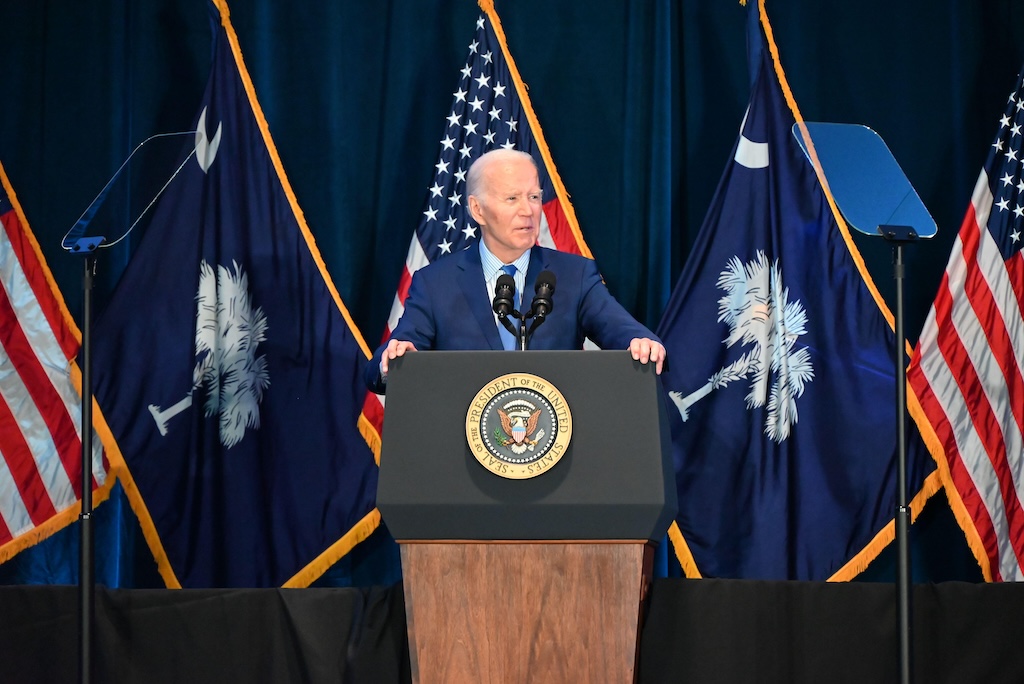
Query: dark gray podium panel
{"type": "Point", "coordinates": [615, 480]}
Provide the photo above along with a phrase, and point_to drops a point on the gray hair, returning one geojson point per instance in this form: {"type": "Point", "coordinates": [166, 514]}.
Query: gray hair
{"type": "Point", "coordinates": [477, 168]}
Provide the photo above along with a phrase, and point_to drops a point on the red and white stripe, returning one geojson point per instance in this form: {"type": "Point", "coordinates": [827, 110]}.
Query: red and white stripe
{"type": "Point", "coordinates": [40, 409]}
{"type": "Point", "coordinates": [967, 371]}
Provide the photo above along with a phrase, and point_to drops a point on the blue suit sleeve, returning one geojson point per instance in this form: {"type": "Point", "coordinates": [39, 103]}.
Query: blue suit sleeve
{"type": "Point", "coordinates": [417, 325]}
{"type": "Point", "coordinates": [602, 318]}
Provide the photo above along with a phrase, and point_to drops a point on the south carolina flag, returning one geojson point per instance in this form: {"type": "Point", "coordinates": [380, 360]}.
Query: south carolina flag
{"type": "Point", "coordinates": [229, 369]}
{"type": "Point", "coordinates": [783, 373]}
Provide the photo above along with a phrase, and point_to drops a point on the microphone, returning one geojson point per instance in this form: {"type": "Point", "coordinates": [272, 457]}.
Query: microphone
{"type": "Point", "coordinates": [545, 290]}
{"type": "Point", "coordinates": [504, 292]}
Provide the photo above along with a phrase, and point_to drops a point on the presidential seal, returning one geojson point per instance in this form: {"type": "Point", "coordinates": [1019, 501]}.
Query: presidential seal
{"type": "Point", "coordinates": [518, 426]}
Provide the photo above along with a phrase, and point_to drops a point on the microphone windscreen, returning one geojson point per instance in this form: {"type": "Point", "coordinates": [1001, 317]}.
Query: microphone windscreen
{"type": "Point", "coordinates": [504, 291]}
{"type": "Point", "coordinates": [546, 278]}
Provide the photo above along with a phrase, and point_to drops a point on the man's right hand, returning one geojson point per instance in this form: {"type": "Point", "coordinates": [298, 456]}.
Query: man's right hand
{"type": "Point", "coordinates": [394, 349]}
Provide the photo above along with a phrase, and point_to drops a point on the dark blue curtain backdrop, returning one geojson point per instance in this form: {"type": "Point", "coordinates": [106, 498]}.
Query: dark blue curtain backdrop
{"type": "Point", "coordinates": [640, 101]}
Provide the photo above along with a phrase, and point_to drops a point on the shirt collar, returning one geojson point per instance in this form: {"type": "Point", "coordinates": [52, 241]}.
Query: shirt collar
{"type": "Point", "coordinates": [492, 264]}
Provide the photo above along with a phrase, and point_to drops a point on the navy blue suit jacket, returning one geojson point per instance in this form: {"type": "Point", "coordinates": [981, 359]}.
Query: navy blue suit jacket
{"type": "Point", "coordinates": [449, 307]}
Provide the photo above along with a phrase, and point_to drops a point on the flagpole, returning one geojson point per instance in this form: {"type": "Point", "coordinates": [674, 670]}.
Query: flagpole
{"type": "Point", "coordinates": [898, 236]}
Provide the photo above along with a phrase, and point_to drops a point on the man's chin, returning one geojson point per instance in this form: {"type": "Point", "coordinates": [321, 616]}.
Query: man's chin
{"type": "Point", "coordinates": [531, 240]}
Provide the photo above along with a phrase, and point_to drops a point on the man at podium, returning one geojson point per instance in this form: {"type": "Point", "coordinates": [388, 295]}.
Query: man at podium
{"type": "Point", "coordinates": [450, 301]}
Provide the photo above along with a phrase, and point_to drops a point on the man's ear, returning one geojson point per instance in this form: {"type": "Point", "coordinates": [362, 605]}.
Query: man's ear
{"type": "Point", "coordinates": [474, 209]}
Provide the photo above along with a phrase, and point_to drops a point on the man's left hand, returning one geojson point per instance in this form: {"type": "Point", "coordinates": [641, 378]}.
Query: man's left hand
{"type": "Point", "coordinates": [645, 349]}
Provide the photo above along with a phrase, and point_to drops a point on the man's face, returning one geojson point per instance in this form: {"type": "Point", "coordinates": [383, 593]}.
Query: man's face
{"type": "Point", "coordinates": [508, 208]}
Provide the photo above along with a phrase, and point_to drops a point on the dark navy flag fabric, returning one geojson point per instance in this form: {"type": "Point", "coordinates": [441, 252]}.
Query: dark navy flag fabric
{"type": "Point", "coordinates": [229, 370]}
{"type": "Point", "coordinates": [782, 373]}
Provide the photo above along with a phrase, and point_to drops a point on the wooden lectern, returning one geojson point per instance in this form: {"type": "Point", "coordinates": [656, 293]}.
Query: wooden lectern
{"type": "Point", "coordinates": [525, 580]}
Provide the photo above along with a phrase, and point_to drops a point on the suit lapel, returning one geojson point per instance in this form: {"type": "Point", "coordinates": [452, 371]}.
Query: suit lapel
{"type": "Point", "coordinates": [471, 282]}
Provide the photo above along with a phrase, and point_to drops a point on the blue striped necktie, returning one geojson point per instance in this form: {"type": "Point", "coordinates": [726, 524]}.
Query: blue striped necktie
{"type": "Point", "coordinates": [508, 340]}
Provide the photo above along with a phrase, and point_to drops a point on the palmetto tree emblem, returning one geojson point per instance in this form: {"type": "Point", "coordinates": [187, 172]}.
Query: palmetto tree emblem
{"type": "Point", "coordinates": [228, 332]}
{"type": "Point", "coordinates": [757, 309]}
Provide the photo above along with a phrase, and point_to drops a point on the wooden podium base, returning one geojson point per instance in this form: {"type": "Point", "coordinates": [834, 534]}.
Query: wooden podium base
{"type": "Point", "coordinates": [524, 612]}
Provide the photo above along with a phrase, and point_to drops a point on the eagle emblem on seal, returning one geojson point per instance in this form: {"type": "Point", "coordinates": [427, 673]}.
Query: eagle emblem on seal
{"type": "Point", "coordinates": [518, 423]}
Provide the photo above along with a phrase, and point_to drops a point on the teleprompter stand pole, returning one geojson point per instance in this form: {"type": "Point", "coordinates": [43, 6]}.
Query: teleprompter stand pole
{"type": "Point", "coordinates": [86, 551]}
{"type": "Point", "coordinates": [899, 236]}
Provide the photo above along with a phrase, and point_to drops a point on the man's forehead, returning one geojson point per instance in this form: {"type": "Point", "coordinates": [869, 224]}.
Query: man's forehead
{"type": "Point", "coordinates": [515, 179]}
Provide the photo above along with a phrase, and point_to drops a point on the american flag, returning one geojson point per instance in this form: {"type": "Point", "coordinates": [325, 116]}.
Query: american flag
{"type": "Point", "coordinates": [968, 368]}
{"type": "Point", "coordinates": [40, 405]}
{"type": "Point", "coordinates": [490, 109]}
